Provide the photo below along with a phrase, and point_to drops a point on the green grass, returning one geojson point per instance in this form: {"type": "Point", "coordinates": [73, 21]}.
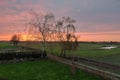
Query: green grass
{"type": "Point", "coordinates": [4, 45]}
{"type": "Point", "coordinates": [92, 51]}
{"type": "Point", "coordinates": [87, 50]}
{"type": "Point", "coordinates": [42, 70]}
{"type": "Point", "coordinates": [112, 59]}
{"type": "Point", "coordinates": [84, 49]}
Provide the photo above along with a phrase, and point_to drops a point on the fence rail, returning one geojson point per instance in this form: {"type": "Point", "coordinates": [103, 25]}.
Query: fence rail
{"type": "Point", "coordinates": [99, 72]}
{"type": "Point", "coordinates": [111, 67]}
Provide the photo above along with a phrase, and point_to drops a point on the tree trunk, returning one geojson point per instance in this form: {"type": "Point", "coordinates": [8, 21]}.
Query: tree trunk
{"type": "Point", "coordinates": [63, 51]}
{"type": "Point", "coordinates": [43, 50]}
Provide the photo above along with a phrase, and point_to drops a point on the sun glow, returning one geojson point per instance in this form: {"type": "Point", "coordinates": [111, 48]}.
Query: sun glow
{"type": "Point", "coordinates": [26, 37]}
{"type": "Point", "coordinates": [23, 37]}
{"type": "Point", "coordinates": [112, 36]}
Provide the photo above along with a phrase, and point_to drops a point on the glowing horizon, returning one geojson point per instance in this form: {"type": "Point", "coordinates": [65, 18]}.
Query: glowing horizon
{"type": "Point", "coordinates": [97, 37]}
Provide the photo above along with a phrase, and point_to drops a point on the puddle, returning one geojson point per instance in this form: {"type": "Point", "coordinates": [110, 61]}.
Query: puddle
{"type": "Point", "coordinates": [108, 47]}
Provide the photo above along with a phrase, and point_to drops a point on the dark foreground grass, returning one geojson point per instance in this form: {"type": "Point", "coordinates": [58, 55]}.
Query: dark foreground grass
{"type": "Point", "coordinates": [41, 70]}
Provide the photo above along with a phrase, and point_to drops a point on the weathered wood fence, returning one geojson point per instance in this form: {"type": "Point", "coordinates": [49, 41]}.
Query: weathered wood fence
{"type": "Point", "coordinates": [111, 67]}
{"type": "Point", "coordinates": [105, 74]}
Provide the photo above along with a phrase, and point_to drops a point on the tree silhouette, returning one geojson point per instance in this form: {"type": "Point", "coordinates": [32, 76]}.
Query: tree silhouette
{"type": "Point", "coordinates": [15, 39]}
{"type": "Point", "coordinates": [45, 28]}
{"type": "Point", "coordinates": [66, 35]}
{"type": "Point", "coordinates": [41, 27]}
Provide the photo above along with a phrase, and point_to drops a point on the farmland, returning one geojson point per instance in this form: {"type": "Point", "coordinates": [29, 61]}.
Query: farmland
{"type": "Point", "coordinates": [42, 68]}
{"type": "Point", "coordinates": [4, 45]}
{"type": "Point", "coordinates": [87, 50]}
{"type": "Point", "coordinates": [92, 51]}
{"type": "Point", "coordinates": [39, 70]}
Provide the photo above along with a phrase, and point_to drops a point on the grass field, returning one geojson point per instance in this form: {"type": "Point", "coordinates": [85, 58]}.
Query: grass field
{"type": "Point", "coordinates": [88, 50]}
{"type": "Point", "coordinates": [84, 49]}
{"type": "Point", "coordinates": [92, 51]}
{"type": "Point", "coordinates": [4, 45]}
{"type": "Point", "coordinates": [42, 70]}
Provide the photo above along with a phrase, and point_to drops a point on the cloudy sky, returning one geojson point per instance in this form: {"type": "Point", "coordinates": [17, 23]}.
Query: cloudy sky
{"type": "Point", "coordinates": [97, 20]}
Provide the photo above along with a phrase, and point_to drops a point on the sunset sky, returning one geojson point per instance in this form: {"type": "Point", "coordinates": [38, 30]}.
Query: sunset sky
{"type": "Point", "coordinates": [97, 20]}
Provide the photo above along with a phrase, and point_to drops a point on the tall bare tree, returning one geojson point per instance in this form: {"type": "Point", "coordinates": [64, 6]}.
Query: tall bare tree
{"type": "Point", "coordinates": [66, 34]}
{"type": "Point", "coordinates": [67, 38]}
{"type": "Point", "coordinates": [42, 26]}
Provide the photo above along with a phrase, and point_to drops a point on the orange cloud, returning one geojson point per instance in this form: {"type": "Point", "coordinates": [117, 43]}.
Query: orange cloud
{"type": "Point", "coordinates": [5, 37]}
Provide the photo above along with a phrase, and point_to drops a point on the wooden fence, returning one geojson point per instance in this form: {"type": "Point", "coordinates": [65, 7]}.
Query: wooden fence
{"type": "Point", "coordinates": [99, 72]}
{"type": "Point", "coordinates": [111, 67]}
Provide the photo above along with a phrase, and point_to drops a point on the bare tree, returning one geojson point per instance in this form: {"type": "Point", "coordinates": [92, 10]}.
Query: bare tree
{"type": "Point", "coordinates": [66, 35]}
{"type": "Point", "coordinates": [67, 38]}
{"type": "Point", "coordinates": [41, 28]}
{"type": "Point", "coordinates": [45, 27]}
{"type": "Point", "coordinates": [15, 39]}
